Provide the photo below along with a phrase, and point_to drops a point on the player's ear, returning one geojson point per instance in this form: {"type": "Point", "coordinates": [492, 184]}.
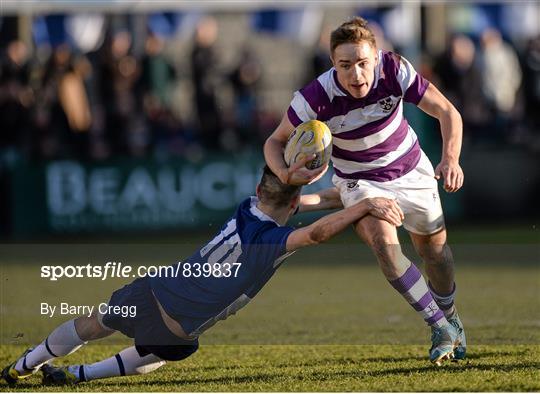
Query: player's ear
{"type": "Point", "coordinates": [295, 202]}
{"type": "Point", "coordinates": [258, 191]}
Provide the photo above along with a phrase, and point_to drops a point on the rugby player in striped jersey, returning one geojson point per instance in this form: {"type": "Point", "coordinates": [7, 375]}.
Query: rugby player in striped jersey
{"type": "Point", "coordinates": [377, 153]}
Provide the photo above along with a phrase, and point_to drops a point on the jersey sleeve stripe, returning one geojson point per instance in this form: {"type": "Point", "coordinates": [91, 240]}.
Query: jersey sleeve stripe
{"type": "Point", "coordinates": [302, 108]}
{"type": "Point", "coordinates": [406, 74]}
{"type": "Point", "coordinates": [229, 229]}
{"type": "Point", "coordinates": [293, 118]}
{"type": "Point", "coordinates": [316, 96]}
{"type": "Point", "coordinates": [416, 91]}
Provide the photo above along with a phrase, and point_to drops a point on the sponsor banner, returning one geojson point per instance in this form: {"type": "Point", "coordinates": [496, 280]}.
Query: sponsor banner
{"type": "Point", "coordinates": [77, 197]}
{"type": "Point", "coordinates": [72, 197]}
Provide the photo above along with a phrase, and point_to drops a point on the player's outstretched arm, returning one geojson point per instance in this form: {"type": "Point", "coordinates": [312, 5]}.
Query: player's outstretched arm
{"type": "Point", "coordinates": [434, 103]}
{"type": "Point", "coordinates": [273, 154]}
{"type": "Point", "coordinates": [330, 225]}
{"type": "Point", "coordinates": [321, 200]}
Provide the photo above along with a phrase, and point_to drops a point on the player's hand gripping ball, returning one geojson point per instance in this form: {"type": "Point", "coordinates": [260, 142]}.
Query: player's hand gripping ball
{"type": "Point", "coordinates": [311, 137]}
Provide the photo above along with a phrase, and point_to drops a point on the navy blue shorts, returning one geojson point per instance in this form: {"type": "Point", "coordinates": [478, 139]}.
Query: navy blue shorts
{"type": "Point", "coordinates": [146, 327]}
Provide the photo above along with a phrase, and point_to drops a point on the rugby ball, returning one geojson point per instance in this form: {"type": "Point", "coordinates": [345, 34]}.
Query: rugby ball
{"type": "Point", "coordinates": [311, 137]}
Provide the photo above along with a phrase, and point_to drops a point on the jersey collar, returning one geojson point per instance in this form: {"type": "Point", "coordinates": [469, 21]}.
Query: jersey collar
{"type": "Point", "coordinates": [257, 212]}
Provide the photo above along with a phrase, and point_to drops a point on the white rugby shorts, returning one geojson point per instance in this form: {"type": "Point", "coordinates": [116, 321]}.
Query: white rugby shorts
{"type": "Point", "coordinates": [416, 193]}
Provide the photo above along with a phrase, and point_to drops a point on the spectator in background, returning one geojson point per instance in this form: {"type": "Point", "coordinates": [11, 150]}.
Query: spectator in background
{"type": "Point", "coordinates": [461, 81]}
{"type": "Point", "coordinates": [73, 97]}
{"type": "Point", "coordinates": [157, 79]}
{"type": "Point", "coordinates": [157, 73]}
{"type": "Point", "coordinates": [531, 84]}
{"type": "Point", "coordinates": [62, 113]}
{"type": "Point", "coordinates": [320, 60]}
{"type": "Point", "coordinates": [245, 80]}
{"type": "Point", "coordinates": [380, 37]}
{"type": "Point", "coordinates": [501, 79]}
{"type": "Point", "coordinates": [16, 99]}
{"type": "Point", "coordinates": [206, 80]}
{"type": "Point", "coordinates": [125, 128]}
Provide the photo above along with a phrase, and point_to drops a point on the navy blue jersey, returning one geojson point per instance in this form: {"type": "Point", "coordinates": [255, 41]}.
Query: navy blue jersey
{"type": "Point", "coordinates": [225, 274]}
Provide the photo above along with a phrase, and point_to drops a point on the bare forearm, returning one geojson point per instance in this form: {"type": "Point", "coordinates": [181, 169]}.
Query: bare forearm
{"type": "Point", "coordinates": [452, 134]}
{"type": "Point", "coordinates": [331, 225]}
{"type": "Point", "coordinates": [323, 199]}
{"type": "Point", "coordinates": [436, 105]}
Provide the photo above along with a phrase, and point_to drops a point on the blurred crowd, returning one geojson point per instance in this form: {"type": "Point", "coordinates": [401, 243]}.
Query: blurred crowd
{"type": "Point", "coordinates": [57, 102]}
{"type": "Point", "coordinates": [495, 87]}
{"type": "Point", "coordinates": [64, 103]}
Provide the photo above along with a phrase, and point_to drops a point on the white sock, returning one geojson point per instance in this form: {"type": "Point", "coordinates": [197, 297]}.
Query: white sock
{"type": "Point", "coordinates": [127, 362]}
{"type": "Point", "coordinates": [62, 341]}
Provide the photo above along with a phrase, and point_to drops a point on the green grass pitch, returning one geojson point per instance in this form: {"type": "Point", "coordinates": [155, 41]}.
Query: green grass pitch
{"type": "Point", "coordinates": [327, 321]}
{"type": "Point", "coordinates": [219, 368]}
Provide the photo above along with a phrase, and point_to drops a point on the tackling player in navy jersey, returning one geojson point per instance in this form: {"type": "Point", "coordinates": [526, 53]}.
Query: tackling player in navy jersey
{"type": "Point", "coordinates": [216, 281]}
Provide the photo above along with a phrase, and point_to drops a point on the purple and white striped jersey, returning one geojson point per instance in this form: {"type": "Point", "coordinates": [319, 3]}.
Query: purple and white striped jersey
{"type": "Point", "coordinates": [371, 138]}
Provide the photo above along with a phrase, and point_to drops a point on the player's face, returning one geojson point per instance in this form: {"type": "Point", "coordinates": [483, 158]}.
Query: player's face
{"type": "Point", "coordinates": [355, 65]}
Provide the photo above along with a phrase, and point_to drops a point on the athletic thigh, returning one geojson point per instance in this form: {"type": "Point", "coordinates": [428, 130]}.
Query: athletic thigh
{"type": "Point", "coordinates": [376, 232]}
{"type": "Point", "coordinates": [373, 231]}
{"type": "Point", "coordinates": [416, 193]}
{"type": "Point", "coordinates": [353, 191]}
{"type": "Point", "coordinates": [418, 196]}
{"type": "Point", "coordinates": [382, 238]}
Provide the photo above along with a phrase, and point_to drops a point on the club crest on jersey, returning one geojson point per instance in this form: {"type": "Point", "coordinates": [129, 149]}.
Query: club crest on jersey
{"type": "Point", "coordinates": [386, 104]}
{"type": "Point", "coordinates": [352, 185]}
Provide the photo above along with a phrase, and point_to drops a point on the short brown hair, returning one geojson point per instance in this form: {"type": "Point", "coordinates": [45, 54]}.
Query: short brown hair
{"type": "Point", "coordinates": [273, 192]}
{"type": "Point", "coordinates": [352, 31]}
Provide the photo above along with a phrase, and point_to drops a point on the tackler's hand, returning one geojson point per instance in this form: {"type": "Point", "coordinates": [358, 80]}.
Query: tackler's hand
{"type": "Point", "coordinates": [385, 209]}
